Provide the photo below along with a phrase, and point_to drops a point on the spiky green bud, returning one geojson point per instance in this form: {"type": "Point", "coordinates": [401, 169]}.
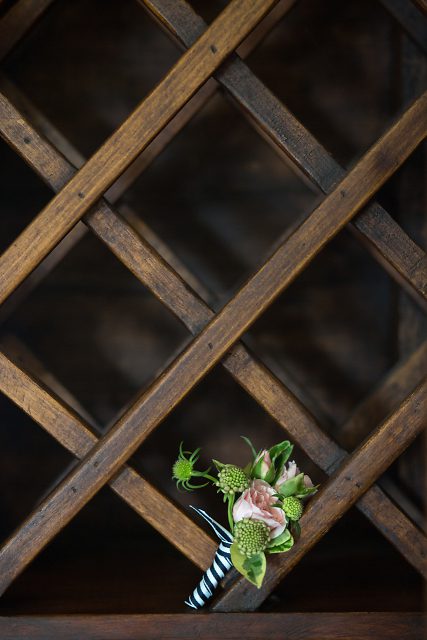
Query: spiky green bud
{"type": "Point", "coordinates": [292, 507]}
{"type": "Point", "coordinates": [252, 536]}
{"type": "Point", "coordinates": [182, 469]}
{"type": "Point", "coordinates": [232, 479]}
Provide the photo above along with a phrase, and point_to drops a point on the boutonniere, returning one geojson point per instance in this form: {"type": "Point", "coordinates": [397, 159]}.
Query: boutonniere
{"type": "Point", "coordinates": [265, 501]}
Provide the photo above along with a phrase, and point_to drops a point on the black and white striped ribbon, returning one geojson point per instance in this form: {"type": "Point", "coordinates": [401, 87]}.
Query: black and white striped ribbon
{"type": "Point", "coordinates": [220, 566]}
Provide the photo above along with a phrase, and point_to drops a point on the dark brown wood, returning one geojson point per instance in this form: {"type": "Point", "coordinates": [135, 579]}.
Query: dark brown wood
{"type": "Point", "coordinates": [205, 350]}
{"type": "Point", "coordinates": [382, 236]}
{"type": "Point", "coordinates": [352, 479]}
{"type": "Point", "coordinates": [399, 382]}
{"type": "Point", "coordinates": [411, 18]}
{"type": "Point", "coordinates": [412, 212]}
{"type": "Point", "coordinates": [18, 20]}
{"type": "Point", "coordinates": [115, 155]}
{"type": "Point", "coordinates": [298, 626]}
{"type": "Point", "coordinates": [254, 378]}
{"type": "Point", "coordinates": [77, 437]}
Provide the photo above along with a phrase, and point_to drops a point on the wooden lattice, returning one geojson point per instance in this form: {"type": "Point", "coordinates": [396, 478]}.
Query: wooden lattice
{"type": "Point", "coordinates": [87, 195]}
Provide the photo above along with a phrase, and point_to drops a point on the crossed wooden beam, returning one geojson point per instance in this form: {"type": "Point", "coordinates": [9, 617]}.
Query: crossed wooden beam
{"type": "Point", "coordinates": [215, 334]}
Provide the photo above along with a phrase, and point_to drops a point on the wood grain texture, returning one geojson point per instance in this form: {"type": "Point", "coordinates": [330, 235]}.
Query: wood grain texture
{"type": "Point", "coordinates": [255, 378]}
{"type": "Point", "coordinates": [138, 256]}
{"type": "Point", "coordinates": [383, 237]}
{"type": "Point", "coordinates": [78, 438]}
{"type": "Point", "coordinates": [106, 458]}
{"type": "Point", "coordinates": [298, 626]}
{"type": "Point", "coordinates": [18, 21]}
{"type": "Point", "coordinates": [358, 472]}
{"type": "Point", "coordinates": [148, 119]}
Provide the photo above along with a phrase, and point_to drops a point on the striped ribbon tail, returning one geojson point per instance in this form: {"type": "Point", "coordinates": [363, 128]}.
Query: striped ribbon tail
{"type": "Point", "coordinates": [220, 566]}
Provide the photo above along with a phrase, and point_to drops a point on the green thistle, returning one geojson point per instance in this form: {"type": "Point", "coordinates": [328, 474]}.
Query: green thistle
{"type": "Point", "coordinates": [252, 536]}
{"type": "Point", "coordinates": [232, 479]}
{"type": "Point", "coordinates": [293, 508]}
{"type": "Point", "coordinates": [183, 470]}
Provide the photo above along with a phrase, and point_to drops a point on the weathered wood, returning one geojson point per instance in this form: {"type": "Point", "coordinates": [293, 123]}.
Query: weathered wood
{"type": "Point", "coordinates": [412, 211]}
{"type": "Point", "coordinates": [381, 235]}
{"type": "Point", "coordinates": [303, 429]}
{"type": "Point", "coordinates": [18, 352]}
{"type": "Point", "coordinates": [276, 626]}
{"type": "Point", "coordinates": [105, 459]}
{"type": "Point", "coordinates": [18, 20]}
{"type": "Point", "coordinates": [398, 383]}
{"type": "Point", "coordinates": [411, 19]}
{"type": "Point", "coordinates": [115, 155]}
{"type": "Point", "coordinates": [357, 473]}
{"type": "Point", "coordinates": [255, 378]}
{"type": "Point", "coordinates": [60, 174]}
{"type": "Point", "coordinates": [78, 438]}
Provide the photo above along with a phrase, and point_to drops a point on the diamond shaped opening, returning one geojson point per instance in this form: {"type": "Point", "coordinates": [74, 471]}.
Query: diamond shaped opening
{"type": "Point", "coordinates": [97, 329]}
{"type": "Point", "coordinates": [23, 195]}
{"type": "Point", "coordinates": [229, 197]}
{"type": "Point", "coordinates": [326, 336]}
{"type": "Point", "coordinates": [404, 481]}
{"type": "Point", "coordinates": [218, 400]}
{"type": "Point", "coordinates": [330, 63]}
{"type": "Point", "coordinates": [101, 79]}
{"type": "Point", "coordinates": [404, 195]}
{"type": "Point", "coordinates": [381, 579]}
{"type": "Point", "coordinates": [209, 10]}
{"type": "Point", "coordinates": [32, 462]}
{"type": "Point", "coordinates": [107, 559]}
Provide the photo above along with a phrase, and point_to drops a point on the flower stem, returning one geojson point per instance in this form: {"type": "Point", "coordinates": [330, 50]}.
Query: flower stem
{"type": "Point", "coordinates": [203, 474]}
{"type": "Point", "coordinates": [230, 511]}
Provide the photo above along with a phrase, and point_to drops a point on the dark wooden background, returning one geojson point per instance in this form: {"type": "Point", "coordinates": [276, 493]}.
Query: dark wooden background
{"type": "Point", "coordinates": [221, 198]}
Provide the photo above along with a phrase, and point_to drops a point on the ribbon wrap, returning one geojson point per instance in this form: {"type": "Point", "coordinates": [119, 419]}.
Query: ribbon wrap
{"type": "Point", "coordinates": [220, 566]}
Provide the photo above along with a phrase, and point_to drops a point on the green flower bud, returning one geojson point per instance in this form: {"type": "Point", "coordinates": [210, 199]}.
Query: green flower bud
{"type": "Point", "coordinates": [232, 479]}
{"type": "Point", "coordinates": [182, 470]}
{"type": "Point", "coordinates": [252, 536]}
{"type": "Point", "coordinates": [292, 507]}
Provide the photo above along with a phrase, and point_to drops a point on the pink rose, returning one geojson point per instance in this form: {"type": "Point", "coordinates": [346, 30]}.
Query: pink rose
{"type": "Point", "coordinates": [257, 502]}
{"type": "Point", "coordinates": [291, 472]}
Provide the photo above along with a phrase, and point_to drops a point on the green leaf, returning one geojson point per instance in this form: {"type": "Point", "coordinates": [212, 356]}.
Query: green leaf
{"type": "Point", "coordinates": [296, 529]}
{"type": "Point", "coordinates": [218, 465]}
{"type": "Point", "coordinates": [247, 470]}
{"type": "Point", "coordinates": [293, 486]}
{"type": "Point", "coordinates": [250, 445]}
{"type": "Point", "coordinates": [281, 548]}
{"type": "Point", "coordinates": [284, 537]}
{"type": "Point", "coordinates": [279, 455]}
{"type": "Point", "coordinates": [307, 491]}
{"type": "Point", "coordinates": [253, 568]}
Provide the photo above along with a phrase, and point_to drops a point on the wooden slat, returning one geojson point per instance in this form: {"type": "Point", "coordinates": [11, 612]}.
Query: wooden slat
{"type": "Point", "coordinates": [410, 18]}
{"type": "Point", "coordinates": [395, 251]}
{"type": "Point", "coordinates": [17, 351]}
{"type": "Point", "coordinates": [60, 173]}
{"type": "Point", "coordinates": [255, 378]}
{"type": "Point", "coordinates": [18, 20]}
{"type": "Point", "coordinates": [382, 236]}
{"type": "Point", "coordinates": [148, 119]}
{"type": "Point", "coordinates": [353, 478]}
{"type": "Point", "coordinates": [211, 626]}
{"type": "Point", "coordinates": [411, 196]}
{"type": "Point", "coordinates": [71, 432]}
{"type": "Point", "coordinates": [194, 105]}
{"type": "Point", "coordinates": [172, 128]}
{"type": "Point", "coordinates": [212, 343]}
{"type": "Point", "coordinates": [399, 381]}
